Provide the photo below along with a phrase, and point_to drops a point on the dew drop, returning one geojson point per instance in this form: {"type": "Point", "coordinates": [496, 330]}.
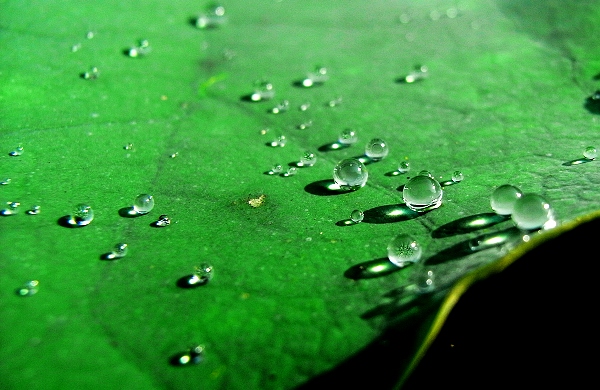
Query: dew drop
{"type": "Point", "coordinates": [142, 49]}
{"type": "Point", "coordinates": [503, 199]}
{"type": "Point", "coordinates": [357, 216]}
{"type": "Point", "coordinates": [214, 17]}
{"type": "Point", "coordinates": [457, 176]}
{"type": "Point", "coordinates": [82, 215]}
{"type": "Point", "coordinates": [194, 355]}
{"type": "Point", "coordinates": [129, 146]}
{"type": "Point", "coordinates": [28, 289]}
{"type": "Point", "coordinates": [162, 221]}
{"type": "Point", "coordinates": [277, 168]}
{"type": "Point", "coordinates": [76, 47]}
{"type": "Point", "coordinates": [290, 172]}
{"type": "Point", "coordinates": [376, 149]}
{"type": "Point", "coordinates": [5, 182]}
{"type": "Point", "coordinates": [308, 159]}
{"type": "Point", "coordinates": [335, 102]}
{"type": "Point", "coordinates": [404, 167]}
{"type": "Point", "coordinates": [317, 77]}
{"type": "Point", "coordinates": [91, 74]}
{"type": "Point", "coordinates": [263, 90]}
{"type": "Point", "coordinates": [590, 153]}
{"type": "Point", "coordinates": [281, 107]}
{"type": "Point", "coordinates": [305, 125]}
{"type": "Point", "coordinates": [532, 211]}
{"type": "Point", "coordinates": [419, 73]}
{"type": "Point", "coordinates": [304, 106]}
{"type": "Point", "coordinates": [11, 209]}
{"type": "Point", "coordinates": [35, 210]}
{"type": "Point", "coordinates": [90, 35]}
{"type": "Point", "coordinates": [424, 281]}
{"type": "Point", "coordinates": [403, 250]}
{"type": "Point", "coordinates": [422, 193]}
{"type": "Point", "coordinates": [350, 174]}
{"type": "Point", "coordinates": [17, 151]}
{"type": "Point", "coordinates": [280, 141]}
{"type": "Point", "coordinates": [143, 204]}
{"type": "Point", "coordinates": [119, 251]}
{"type": "Point", "coordinates": [347, 137]}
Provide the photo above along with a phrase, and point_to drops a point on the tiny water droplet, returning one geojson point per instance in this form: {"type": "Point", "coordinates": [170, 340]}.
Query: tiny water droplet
{"type": "Point", "coordinates": [279, 141]}
{"type": "Point", "coordinates": [204, 271]}
{"type": "Point", "coordinates": [174, 155]}
{"type": "Point", "coordinates": [5, 182]}
{"type": "Point", "coordinates": [532, 211]}
{"type": "Point", "coordinates": [424, 281]}
{"type": "Point", "coordinates": [290, 172]}
{"type": "Point", "coordinates": [308, 159]}
{"type": "Point", "coordinates": [91, 74]}
{"type": "Point", "coordinates": [143, 48]}
{"type": "Point", "coordinates": [129, 146]}
{"type": "Point", "coordinates": [12, 208]}
{"type": "Point", "coordinates": [35, 210]}
{"type": "Point", "coordinates": [404, 18]}
{"type": "Point", "coordinates": [118, 252]}
{"type": "Point", "coordinates": [419, 73]}
{"type": "Point", "coordinates": [17, 151]}
{"type": "Point", "coordinates": [347, 137]}
{"type": "Point", "coordinates": [194, 355]}
{"type": "Point", "coordinates": [335, 102]}
{"type": "Point", "coordinates": [82, 215]}
{"type": "Point", "coordinates": [503, 199]}
{"type": "Point", "coordinates": [404, 167]}
{"type": "Point", "coordinates": [212, 18]}
{"type": "Point", "coordinates": [162, 221]}
{"type": "Point", "coordinates": [76, 47]}
{"type": "Point", "coordinates": [376, 149]}
{"type": "Point", "coordinates": [304, 106]}
{"type": "Point", "coordinates": [263, 90]}
{"type": "Point", "coordinates": [317, 77]}
{"type": "Point", "coordinates": [457, 176]}
{"type": "Point", "coordinates": [422, 193]}
{"type": "Point", "coordinates": [350, 174]}
{"type": "Point", "coordinates": [143, 204]}
{"type": "Point", "coordinates": [90, 35]}
{"type": "Point", "coordinates": [590, 153]}
{"type": "Point", "coordinates": [277, 168]}
{"type": "Point", "coordinates": [403, 250]}
{"type": "Point", "coordinates": [357, 216]}
{"type": "Point", "coordinates": [305, 125]}
{"type": "Point", "coordinates": [281, 107]}
{"type": "Point", "coordinates": [264, 131]}
{"type": "Point", "coordinates": [28, 289]}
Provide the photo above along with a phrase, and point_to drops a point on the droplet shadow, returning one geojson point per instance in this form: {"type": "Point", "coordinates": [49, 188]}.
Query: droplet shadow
{"type": "Point", "coordinates": [393, 173]}
{"type": "Point", "coordinates": [64, 221]}
{"type": "Point", "coordinates": [469, 224]}
{"type": "Point", "coordinates": [346, 222]}
{"type": "Point", "coordinates": [333, 146]}
{"type": "Point", "coordinates": [325, 188]}
{"type": "Point", "coordinates": [448, 183]}
{"type": "Point", "coordinates": [108, 257]}
{"type": "Point", "coordinates": [592, 104]}
{"type": "Point", "coordinates": [479, 243]}
{"type": "Point", "coordinates": [390, 214]}
{"type": "Point", "coordinates": [128, 212]}
{"type": "Point", "coordinates": [578, 161]}
{"type": "Point", "coordinates": [372, 269]}
{"type": "Point", "coordinates": [184, 282]}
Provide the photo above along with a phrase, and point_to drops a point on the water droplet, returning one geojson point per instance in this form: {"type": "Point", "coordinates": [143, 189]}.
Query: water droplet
{"type": "Point", "coordinates": [195, 355]}
{"type": "Point", "coordinates": [532, 211]}
{"type": "Point", "coordinates": [423, 280]}
{"type": "Point", "coordinates": [304, 106]}
{"type": "Point", "coordinates": [204, 271]}
{"type": "Point", "coordinates": [263, 90]}
{"type": "Point", "coordinates": [28, 289]}
{"type": "Point", "coordinates": [143, 48]}
{"type": "Point", "coordinates": [35, 210]}
{"type": "Point", "coordinates": [129, 146]}
{"type": "Point", "coordinates": [12, 208]}
{"type": "Point", "coordinates": [457, 176]}
{"type": "Point", "coordinates": [143, 204]}
{"type": "Point", "coordinates": [420, 73]}
{"type": "Point", "coordinates": [308, 159]}
{"type": "Point", "coordinates": [504, 198]}
{"type": "Point", "coordinates": [119, 251]}
{"type": "Point", "coordinates": [347, 137]}
{"type": "Point", "coordinates": [305, 125]}
{"type": "Point", "coordinates": [404, 167]}
{"type": "Point", "coordinates": [317, 77]}
{"type": "Point", "coordinates": [90, 35]}
{"type": "Point", "coordinates": [404, 250]}
{"type": "Point", "coordinates": [422, 193]}
{"type": "Point", "coordinates": [404, 18]}
{"type": "Point", "coordinates": [162, 221]}
{"type": "Point", "coordinates": [376, 149]}
{"type": "Point", "coordinates": [357, 216]}
{"type": "Point", "coordinates": [279, 141]}
{"type": "Point", "coordinates": [335, 102]}
{"type": "Point", "coordinates": [290, 172]}
{"type": "Point", "coordinates": [91, 74]}
{"type": "Point", "coordinates": [350, 174]}
{"type": "Point", "coordinates": [277, 168]}
{"type": "Point", "coordinates": [82, 215]}
{"type": "Point", "coordinates": [76, 47]}
{"type": "Point", "coordinates": [212, 18]}
{"type": "Point", "coordinates": [452, 13]}
{"type": "Point", "coordinates": [173, 155]}
{"type": "Point", "coordinates": [590, 153]}
{"type": "Point", "coordinates": [281, 107]}
{"type": "Point", "coordinates": [17, 152]}
{"type": "Point", "coordinates": [5, 182]}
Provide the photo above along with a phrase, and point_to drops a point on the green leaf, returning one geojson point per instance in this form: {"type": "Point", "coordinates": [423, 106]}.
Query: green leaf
{"type": "Point", "coordinates": [299, 296]}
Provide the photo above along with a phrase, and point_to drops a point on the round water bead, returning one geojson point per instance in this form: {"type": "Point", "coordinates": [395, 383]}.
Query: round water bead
{"type": "Point", "coordinates": [83, 215]}
{"type": "Point", "coordinates": [404, 167]}
{"type": "Point", "coordinates": [457, 176]}
{"type": "Point", "coordinates": [308, 159]}
{"type": "Point", "coordinates": [425, 173]}
{"type": "Point", "coordinates": [376, 149]}
{"type": "Point", "coordinates": [28, 289]}
{"type": "Point", "coordinates": [143, 204]}
{"type": "Point", "coordinates": [404, 250]}
{"type": "Point", "coordinates": [350, 174]}
{"type": "Point", "coordinates": [532, 211]}
{"type": "Point", "coordinates": [590, 153]}
{"type": "Point", "coordinates": [347, 137]}
{"type": "Point", "coordinates": [119, 251]}
{"type": "Point", "coordinates": [277, 168]}
{"type": "Point", "coordinates": [357, 216]}
{"type": "Point", "coordinates": [202, 275]}
{"type": "Point", "coordinates": [504, 198]}
{"type": "Point", "coordinates": [422, 193]}
{"type": "Point", "coordinates": [12, 208]}
{"type": "Point", "coordinates": [194, 356]}
{"type": "Point", "coordinates": [291, 171]}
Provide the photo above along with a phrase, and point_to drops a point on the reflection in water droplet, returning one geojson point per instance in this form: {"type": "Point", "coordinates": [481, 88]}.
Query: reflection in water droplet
{"type": "Point", "coordinates": [357, 216]}
{"type": "Point", "coordinates": [503, 199]}
{"type": "Point", "coordinates": [350, 174]}
{"type": "Point", "coordinates": [28, 289]}
{"type": "Point", "coordinates": [590, 152]}
{"type": "Point", "coordinates": [404, 250]}
{"type": "Point", "coordinates": [422, 193]}
{"type": "Point", "coordinates": [532, 211]}
{"type": "Point", "coordinates": [82, 215]}
{"type": "Point", "coordinates": [376, 149]}
{"type": "Point", "coordinates": [143, 204]}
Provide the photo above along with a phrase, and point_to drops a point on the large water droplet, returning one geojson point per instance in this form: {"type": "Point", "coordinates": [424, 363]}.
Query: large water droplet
{"type": "Point", "coordinates": [143, 204]}
{"type": "Point", "coordinates": [376, 149]}
{"type": "Point", "coordinates": [404, 250]}
{"type": "Point", "coordinates": [422, 193]}
{"type": "Point", "coordinates": [503, 199]}
{"type": "Point", "coordinates": [350, 174]}
{"type": "Point", "coordinates": [532, 211]}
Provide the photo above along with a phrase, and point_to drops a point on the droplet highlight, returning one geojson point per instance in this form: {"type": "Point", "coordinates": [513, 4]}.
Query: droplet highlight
{"type": "Point", "coordinates": [503, 199]}
{"type": "Point", "coordinates": [403, 250]}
